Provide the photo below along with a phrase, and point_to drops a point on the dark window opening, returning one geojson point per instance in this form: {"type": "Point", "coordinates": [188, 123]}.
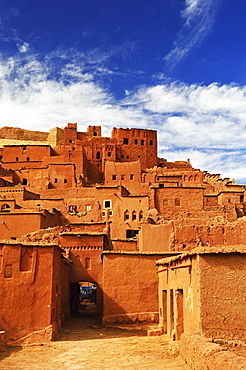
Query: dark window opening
{"type": "Point", "coordinates": [134, 216]}
{"type": "Point", "coordinates": [94, 133]}
{"type": "Point", "coordinates": [241, 198]}
{"type": "Point", "coordinates": [135, 141]}
{"type": "Point", "coordinates": [125, 141]}
{"type": "Point", "coordinates": [109, 154]}
{"type": "Point", "coordinates": [65, 181]}
{"type": "Point", "coordinates": [127, 157]}
{"type": "Point", "coordinates": [229, 200]}
{"type": "Point", "coordinates": [107, 204]}
{"type": "Point", "coordinates": [126, 215]}
{"type": "Point", "coordinates": [140, 215]}
{"type": "Point", "coordinates": [151, 142]}
{"type": "Point", "coordinates": [131, 176]}
{"type": "Point", "coordinates": [122, 156]}
{"type": "Point", "coordinates": [5, 208]}
{"type": "Point", "coordinates": [142, 142]}
{"type": "Point", "coordinates": [28, 158]}
{"type": "Point", "coordinates": [24, 147]}
{"type": "Point", "coordinates": [24, 182]}
{"type": "Point", "coordinates": [17, 159]}
{"type": "Point", "coordinates": [56, 181]}
{"type": "Point", "coordinates": [122, 177]}
{"type": "Point", "coordinates": [131, 233]}
{"type": "Point", "coordinates": [70, 141]}
{"type": "Point", "coordinates": [161, 185]}
{"type": "Point", "coordinates": [98, 155]}
{"type": "Point", "coordinates": [1, 157]}
{"type": "Point", "coordinates": [113, 177]}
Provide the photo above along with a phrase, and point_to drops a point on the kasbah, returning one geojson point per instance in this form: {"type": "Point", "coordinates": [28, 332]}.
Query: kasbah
{"type": "Point", "coordinates": [147, 240]}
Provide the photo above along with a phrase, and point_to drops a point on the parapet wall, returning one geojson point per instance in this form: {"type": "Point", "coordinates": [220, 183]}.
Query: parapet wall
{"type": "Point", "coordinates": [201, 353]}
{"type": "Point", "coordinates": [15, 133]}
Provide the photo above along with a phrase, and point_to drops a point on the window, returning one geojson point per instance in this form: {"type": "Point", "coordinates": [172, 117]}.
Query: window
{"type": "Point", "coordinates": [134, 216]}
{"type": "Point", "coordinates": [110, 213]}
{"type": "Point", "coordinates": [142, 142]}
{"type": "Point", "coordinates": [139, 156]}
{"type": "Point", "coordinates": [24, 147]}
{"type": "Point", "coordinates": [109, 154]}
{"type": "Point", "coordinates": [122, 177]}
{"type": "Point", "coordinates": [8, 271]}
{"type": "Point", "coordinates": [135, 141]}
{"type": "Point", "coordinates": [98, 155]}
{"type": "Point", "coordinates": [88, 208]}
{"type": "Point", "coordinates": [55, 181]}
{"type": "Point", "coordinates": [151, 142]}
{"type": "Point", "coordinates": [70, 141]}
{"type": "Point", "coordinates": [131, 233]}
{"type": "Point", "coordinates": [125, 141]}
{"type": "Point", "coordinates": [94, 133]}
{"type": "Point", "coordinates": [103, 213]}
{"type": "Point", "coordinates": [1, 157]}
{"type": "Point", "coordinates": [126, 215]}
{"type": "Point", "coordinates": [113, 177]}
{"type": "Point", "coordinates": [177, 202]}
{"type": "Point", "coordinates": [131, 176]}
{"type": "Point", "coordinates": [5, 208]}
{"type": "Point", "coordinates": [127, 157]}
{"type": "Point", "coordinates": [28, 159]}
{"type": "Point", "coordinates": [107, 204]}
{"type": "Point", "coordinates": [65, 181]}
{"type": "Point", "coordinates": [229, 200]}
{"type": "Point", "coordinates": [122, 156]}
{"type": "Point", "coordinates": [140, 215]}
{"type": "Point", "coordinates": [24, 182]}
{"type": "Point", "coordinates": [161, 185]}
{"type": "Point", "coordinates": [17, 159]}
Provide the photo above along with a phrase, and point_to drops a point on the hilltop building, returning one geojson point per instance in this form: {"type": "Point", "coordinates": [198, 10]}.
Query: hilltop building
{"type": "Point", "coordinates": [107, 209]}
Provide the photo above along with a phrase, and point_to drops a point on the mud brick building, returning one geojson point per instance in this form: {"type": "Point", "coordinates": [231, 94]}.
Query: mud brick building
{"type": "Point", "coordinates": [106, 209]}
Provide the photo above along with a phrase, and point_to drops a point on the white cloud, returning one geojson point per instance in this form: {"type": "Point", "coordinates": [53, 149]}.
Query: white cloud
{"type": "Point", "coordinates": [204, 123]}
{"type": "Point", "coordinates": [198, 16]}
{"type": "Point", "coordinates": [23, 48]}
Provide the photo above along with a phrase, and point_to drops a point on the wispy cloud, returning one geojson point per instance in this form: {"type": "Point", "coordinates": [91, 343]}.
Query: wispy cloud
{"type": "Point", "coordinates": [198, 16]}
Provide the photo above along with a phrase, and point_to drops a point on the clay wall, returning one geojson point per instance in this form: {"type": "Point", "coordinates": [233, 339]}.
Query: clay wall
{"type": "Point", "coordinates": [223, 284]}
{"type": "Point", "coordinates": [179, 299]}
{"type": "Point", "coordinates": [125, 245]}
{"type": "Point", "coordinates": [230, 198]}
{"type": "Point", "coordinates": [21, 134]}
{"type": "Point", "coordinates": [156, 238]}
{"type": "Point", "coordinates": [61, 175]}
{"type": "Point", "coordinates": [126, 174]}
{"type": "Point", "coordinates": [16, 157]}
{"type": "Point", "coordinates": [136, 144]}
{"type": "Point", "coordinates": [24, 285]}
{"type": "Point", "coordinates": [129, 288]}
{"type": "Point", "coordinates": [170, 201]}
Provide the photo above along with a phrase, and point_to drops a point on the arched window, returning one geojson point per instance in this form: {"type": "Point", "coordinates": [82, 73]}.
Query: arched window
{"type": "Point", "coordinates": [185, 178]}
{"type": "Point", "coordinates": [196, 178]}
{"type": "Point", "coordinates": [134, 215]}
{"type": "Point", "coordinates": [140, 215]}
{"type": "Point", "coordinates": [191, 178]}
{"type": "Point", "coordinates": [5, 208]}
{"type": "Point", "coordinates": [98, 155]}
{"type": "Point", "coordinates": [126, 215]}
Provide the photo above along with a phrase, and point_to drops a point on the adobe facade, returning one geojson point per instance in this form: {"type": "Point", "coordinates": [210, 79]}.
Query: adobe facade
{"type": "Point", "coordinates": [110, 208]}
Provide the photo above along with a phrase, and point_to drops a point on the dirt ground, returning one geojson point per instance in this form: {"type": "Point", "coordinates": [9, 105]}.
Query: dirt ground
{"type": "Point", "coordinates": [83, 344]}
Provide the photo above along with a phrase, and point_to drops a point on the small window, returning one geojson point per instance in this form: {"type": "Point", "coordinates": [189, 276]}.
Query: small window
{"type": "Point", "coordinates": [229, 200]}
{"type": "Point", "coordinates": [113, 177]}
{"type": "Point", "coordinates": [140, 215]}
{"type": "Point", "coordinates": [88, 208]}
{"type": "Point", "coordinates": [8, 271]}
{"type": "Point", "coordinates": [103, 213]}
{"type": "Point", "coordinates": [177, 202]}
{"type": "Point", "coordinates": [94, 133]}
{"type": "Point", "coordinates": [24, 182]}
{"type": "Point", "coordinates": [24, 147]}
{"type": "Point", "coordinates": [139, 156]}
{"type": "Point", "coordinates": [17, 159]}
{"type": "Point", "coordinates": [70, 141]}
{"type": "Point", "coordinates": [131, 233]}
{"type": "Point", "coordinates": [55, 181]}
{"type": "Point", "coordinates": [1, 157]}
{"type": "Point", "coordinates": [161, 185]}
{"type": "Point", "coordinates": [142, 142]}
{"type": "Point", "coordinates": [151, 142]}
{"type": "Point", "coordinates": [126, 215]}
{"type": "Point", "coordinates": [122, 156]}
{"type": "Point", "coordinates": [125, 141]}
{"type": "Point", "coordinates": [122, 177]}
{"type": "Point", "coordinates": [109, 154]}
{"type": "Point", "coordinates": [65, 181]}
{"type": "Point", "coordinates": [107, 204]}
{"type": "Point", "coordinates": [28, 159]}
{"type": "Point", "coordinates": [131, 176]}
{"type": "Point", "coordinates": [135, 141]}
{"type": "Point", "coordinates": [98, 155]}
{"type": "Point", "coordinates": [134, 216]}
{"type": "Point", "coordinates": [127, 157]}
{"type": "Point", "coordinates": [5, 208]}
{"type": "Point", "coordinates": [110, 213]}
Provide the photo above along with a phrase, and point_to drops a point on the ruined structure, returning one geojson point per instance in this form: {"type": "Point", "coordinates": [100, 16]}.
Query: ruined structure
{"type": "Point", "coordinates": [107, 209]}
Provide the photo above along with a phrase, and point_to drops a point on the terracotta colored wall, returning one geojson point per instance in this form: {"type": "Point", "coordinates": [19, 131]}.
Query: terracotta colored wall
{"type": "Point", "coordinates": [156, 238]}
{"type": "Point", "coordinates": [126, 174]}
{"type": "Point", "coordinates": [27, 298]}
{"type": "Point", "coordinates": [223, 285]}
{"type": "Point", "coordinates": [170, 285]}
{"type": "Point", "coordinates": [130, 287]}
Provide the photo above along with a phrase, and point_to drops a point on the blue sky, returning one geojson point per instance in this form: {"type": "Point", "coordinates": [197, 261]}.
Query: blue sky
{"type": "Point", "coordinates": [177, 66]}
